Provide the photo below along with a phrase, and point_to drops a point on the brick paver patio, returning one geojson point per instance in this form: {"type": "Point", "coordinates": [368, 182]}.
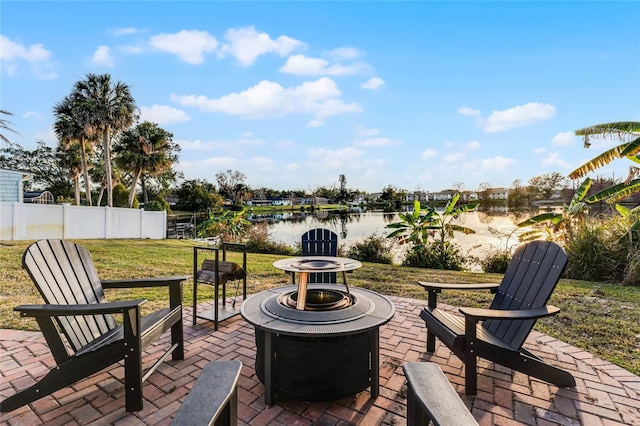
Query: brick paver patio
{"type": "Point", "coordinates": [605, 394]}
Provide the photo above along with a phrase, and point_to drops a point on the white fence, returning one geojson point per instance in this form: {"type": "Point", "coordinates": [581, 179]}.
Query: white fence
{"type": "Point", "coordinates": [19, 221]}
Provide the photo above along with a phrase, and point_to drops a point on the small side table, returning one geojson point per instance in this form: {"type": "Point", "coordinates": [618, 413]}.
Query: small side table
{"type": "Point", "coordinates": [217, 273]}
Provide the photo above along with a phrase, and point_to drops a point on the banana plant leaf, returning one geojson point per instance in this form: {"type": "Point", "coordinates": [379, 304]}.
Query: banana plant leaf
{"type": "Point", "coordinates": [615, 193]}
{"type": "Point", "coordinates": [451, 204]}
{"type": "Point", "coordinates": [599, 161]}
{"type": "Point", "coordinates": [554, 218]}
{"type": "Point", "coordinates": [606, 128]}
{"type": "Point", "coordinates": [632, 149]}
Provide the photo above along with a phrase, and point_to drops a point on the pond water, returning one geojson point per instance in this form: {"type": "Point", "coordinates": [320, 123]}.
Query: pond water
{"type": "Point", "coordinates": [356, 226]}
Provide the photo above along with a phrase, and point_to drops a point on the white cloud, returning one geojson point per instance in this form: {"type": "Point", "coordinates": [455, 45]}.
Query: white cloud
{"type": "Point", "coordinates": [553, 159]}
{"type": "Point", "coordinates": [13, 53]}
{"type": "Point", "coordinates": [320, 98]}
{"type": "Point", "coordinates": [190, 46]}
{"type": "Point", "coordinates": [32, 114]}
{"type": "Point", "coordinates": [262, 163]}
{"type": "Point", "coordinates": [564, 139]}
{"type": "Point", "coordinates": [497, 163]}
{"type": "Point", "coordinates": [472, 145]}
{"type": "Point", "coordinates": [428, 153]}
{"type": "Point", "coordinates": [246, 44]}
{"type": "Point", "coordinates": [367, 132]}
{"type": "Point", "coordinates": [373, 83]}
{"type": "Point", "coordinates": [163, 114]}
{"type": "Point", "coordinates": [518, 116]}
{"type": "Point", "coordinates": [199, 145]}
{"type": "Point", "coordinates": [470, 112]}
{"type": "Point", "coordinates": [454, 158]}
{"type": "Point", "coordinates": [102, 56]}
{"type": "Point", "coordinates": [371, 142]}
{"type": "Point", "coordinates": [129, 48]}
{"type": "Point", "coordinates": [343, 53]}
{"type": "Point", "coordinates": [124, 31]}
{"type": "Point", "coordinates": [303, 65]}
{"type": "Point", "coordinates": [539, 151]}
{"type": "Point", "coordinates": [333, 159]}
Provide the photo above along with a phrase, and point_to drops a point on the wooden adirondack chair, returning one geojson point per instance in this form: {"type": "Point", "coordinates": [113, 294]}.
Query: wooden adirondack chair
{"type": "Point", "coordinates": [320, 242]}
{"type": "Point", "coordinates": [498, 333]}
{"type": "Point", "coordinates": [75, 304]}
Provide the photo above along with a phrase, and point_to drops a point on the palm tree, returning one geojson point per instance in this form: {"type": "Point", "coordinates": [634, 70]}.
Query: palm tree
{"type": "Point", "coordinates": [104, 107]}
{"type": "Point", "coordinates": [144, 149]}
{"type": "Point", "coordinates": [629, 133]}
{"type": "Point", "coordinates": [70, 131]}
{"type": "Point", "coordinates": [69, 157]}
{"type": "Point", "coordinates": [4, 126]}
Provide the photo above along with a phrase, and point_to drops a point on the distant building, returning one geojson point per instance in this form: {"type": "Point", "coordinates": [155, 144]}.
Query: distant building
{"type": "Point", "coordinates": [11, 185]}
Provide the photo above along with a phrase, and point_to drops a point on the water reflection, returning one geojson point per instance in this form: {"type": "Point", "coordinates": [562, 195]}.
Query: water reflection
{"type": "Point", "coordinates": [494, 226]}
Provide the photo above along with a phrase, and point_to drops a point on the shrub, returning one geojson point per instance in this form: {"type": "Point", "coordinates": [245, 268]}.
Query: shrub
{"type": "Point", "coordinates": [374, 248]}
{"type": "Point", "coordinates": [632, 271]}
{"type": "Point", "coordinates": [596, 251]}
{"type": "Point", "coordinates": [437, 255]}
{"type": "Point", "coordinates": [496, 261]}
{"type": "Point", "coordinates": [257, 241]}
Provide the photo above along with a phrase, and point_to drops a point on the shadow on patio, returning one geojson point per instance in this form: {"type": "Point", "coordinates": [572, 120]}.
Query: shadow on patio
{"type": "Point", "coordinates": [605, 393]}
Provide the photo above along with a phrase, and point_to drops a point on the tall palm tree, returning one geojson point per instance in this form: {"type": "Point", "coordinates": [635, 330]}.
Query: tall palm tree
{"type": "Point", "coordinates": [69, 157]}
{"type": "Point", "coordinates": [4, 126]}
{"type": "Point", "coordinates": [104, 107]}
{"type": "Point", "coordinates": [147, 149]}
{"type": "Point", "coordinates": [69, 131]}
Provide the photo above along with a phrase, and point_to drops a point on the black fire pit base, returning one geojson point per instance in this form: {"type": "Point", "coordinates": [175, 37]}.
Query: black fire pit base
{"type": "Point", "coordinates": [318, 368]}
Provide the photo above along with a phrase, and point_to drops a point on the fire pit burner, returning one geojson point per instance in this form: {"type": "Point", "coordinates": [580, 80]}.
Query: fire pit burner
{"type": "Point", "coordinates": [318, 300]}
{"type": "Point", "coordinates": [322, 354]}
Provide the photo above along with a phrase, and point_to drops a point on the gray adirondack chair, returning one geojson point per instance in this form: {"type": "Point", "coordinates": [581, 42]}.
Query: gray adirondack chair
{"type": "Point", "coordinates": [320, 242]}
{"type": "Point", "coordinates": [75, 306]}
{"type": "Point", "coordinates": [498, 333]}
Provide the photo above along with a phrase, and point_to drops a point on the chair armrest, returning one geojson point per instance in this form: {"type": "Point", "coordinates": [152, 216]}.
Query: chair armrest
{"type": "Point", "coordinates": [434, 288]}
{"type": "Point", "coordinates": [71, 310]}
{"type": "Point", "coordinates": [449, 286]}
{"type": "Point", "coordinates": [479, 314]}
{"type": "Point", "coordinates": [144, 282]}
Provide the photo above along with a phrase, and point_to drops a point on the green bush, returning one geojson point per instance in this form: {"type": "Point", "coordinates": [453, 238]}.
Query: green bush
{"type": "Point", "coordinates": [632, 271]}
{"type": "Point", "coordinates": [437, 255]}
{"type": "Point", "coordinates": [596, 251]}
{"type": "Point", "coordinates": [257, 241]}
{"type": "Point", "coordinates": [496, 261]}
{"type": "Point", "coordinates": [374, 248]}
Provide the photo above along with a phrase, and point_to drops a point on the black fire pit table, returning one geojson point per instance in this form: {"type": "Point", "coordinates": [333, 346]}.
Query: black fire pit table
{"type": "Point", "coordinates": [326, 351]}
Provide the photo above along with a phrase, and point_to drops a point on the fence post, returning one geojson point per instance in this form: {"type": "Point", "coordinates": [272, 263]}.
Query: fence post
{"type": "Point", "coordinates": [16, 221]}
{"type": "Point", "coordinates": [65, 220]}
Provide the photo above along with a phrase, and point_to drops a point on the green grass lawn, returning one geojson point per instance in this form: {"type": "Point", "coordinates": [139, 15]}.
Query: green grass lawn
{"type": "Point", "coordinates": [600, 318]}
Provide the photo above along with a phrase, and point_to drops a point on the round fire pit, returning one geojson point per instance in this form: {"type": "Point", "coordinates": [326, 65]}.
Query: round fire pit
{"type": "Point", "coordinates": [327, 351]}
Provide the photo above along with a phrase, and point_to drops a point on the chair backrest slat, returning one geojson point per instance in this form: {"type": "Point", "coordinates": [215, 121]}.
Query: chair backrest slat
{"type": "Point", "coordinates": [531, 277]}
{"type": "Point", "coordinates": [64, 273]}
{"type": "Point", "coordinates": [320, 242]}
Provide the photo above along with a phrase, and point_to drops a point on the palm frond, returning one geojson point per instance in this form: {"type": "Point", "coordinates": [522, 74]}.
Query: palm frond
{"type": "Point", "coordinates": [610, 128]}
{"type": "Point", "coordinates": [632, 149]}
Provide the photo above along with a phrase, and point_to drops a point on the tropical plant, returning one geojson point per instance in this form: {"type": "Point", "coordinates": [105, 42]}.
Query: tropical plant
{"type": "Point", "coordinates": [103, 107]}
{"type": "Point", "coordinates": [228, 226]}
{"type": "Point", "coordinates": [69, 131]}
{"type": "Point", "coordinates": [5, 126]}
{"type": "Point", "coordinates": [417, 228]}
{"type": "Point", "coordinates": [629, 133]}
{"type": "Point", "coordinates": [144, 149]}
{"type": "Point", "coordinates": [561, 224]}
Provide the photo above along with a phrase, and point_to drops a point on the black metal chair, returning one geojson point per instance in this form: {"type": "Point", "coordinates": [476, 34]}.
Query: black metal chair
{"type": "Point", "coordinates": [498, 333]}
{"type": "Point", "coordinates": [65, 276]}
{"type": "Point", "coordinates": [320, 242]}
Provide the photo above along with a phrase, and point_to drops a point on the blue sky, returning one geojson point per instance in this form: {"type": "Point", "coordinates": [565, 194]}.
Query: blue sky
{"type": "Point", "coordinates": [418, 95]}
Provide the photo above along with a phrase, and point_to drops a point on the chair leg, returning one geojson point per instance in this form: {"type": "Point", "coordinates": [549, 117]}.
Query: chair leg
{"type": "Point", "coordinates": [133, 380]}
{"type": "Point", "coordinates": [177, 337]}
{"type": "Point", "coordinates": [431, 342]}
